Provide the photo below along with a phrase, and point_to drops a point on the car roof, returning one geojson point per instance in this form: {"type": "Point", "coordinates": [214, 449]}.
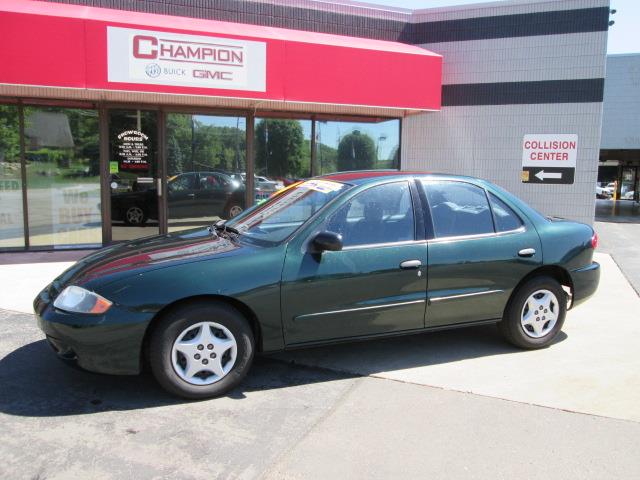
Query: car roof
{"type": "Point", "coordinates": [360, 177]}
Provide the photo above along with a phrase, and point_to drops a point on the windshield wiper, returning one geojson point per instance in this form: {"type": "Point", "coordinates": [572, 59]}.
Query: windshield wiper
{"type": "Point", "coordinates": [221, 225]}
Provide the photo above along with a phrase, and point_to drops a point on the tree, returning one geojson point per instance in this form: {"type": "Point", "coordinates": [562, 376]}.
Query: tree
{"type": "Point", "coordinates": [279, 148]}
{"type": "Point", "coordinates": [356, 151]}
{"type": "Point", "coordinates": [9, 134]}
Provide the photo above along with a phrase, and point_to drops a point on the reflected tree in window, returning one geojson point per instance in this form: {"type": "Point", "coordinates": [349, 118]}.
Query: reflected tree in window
{"type": "Point", "coordinates": [280, 149]}
{"type": "Point", "coordinates": [356, 151]}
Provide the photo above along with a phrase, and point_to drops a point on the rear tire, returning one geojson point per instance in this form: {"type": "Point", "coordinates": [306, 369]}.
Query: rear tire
{"type": "Point", "coordinates": [201, 350]}
{"type": "Point", "coordinates": [535, 314]}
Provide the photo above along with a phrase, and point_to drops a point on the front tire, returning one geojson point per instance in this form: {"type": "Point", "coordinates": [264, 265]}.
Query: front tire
{"type": "Point", "coordinates": [535, 314]}
{"type": "Point", "coordinates": [201, 350]}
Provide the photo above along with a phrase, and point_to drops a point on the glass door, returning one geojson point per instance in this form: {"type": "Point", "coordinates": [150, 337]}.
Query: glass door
{"type": "Point", "coordinates": [206, 169]}
{"type": "Point", "coordinates": [133, 174]}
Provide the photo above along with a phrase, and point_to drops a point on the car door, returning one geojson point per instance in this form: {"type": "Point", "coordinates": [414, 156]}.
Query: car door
{"type": "Point", "coordinates": [181, 198]}
{"type": "Point", "coordinates": [479, 250]}
{"type": "Point", "coordinates": [374, 285]}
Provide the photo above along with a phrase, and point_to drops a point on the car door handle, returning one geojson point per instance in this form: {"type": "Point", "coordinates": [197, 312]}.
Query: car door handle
{"type": "Point", "coordinates": [527, 252]}
{"type": "Point", "coordinates": [409, 264]}
{"type": "Point", "coordinates": [191, 195]}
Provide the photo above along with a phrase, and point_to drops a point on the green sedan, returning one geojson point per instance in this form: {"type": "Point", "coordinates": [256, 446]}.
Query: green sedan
{"type": "Point", "coordinates": [346, 256]}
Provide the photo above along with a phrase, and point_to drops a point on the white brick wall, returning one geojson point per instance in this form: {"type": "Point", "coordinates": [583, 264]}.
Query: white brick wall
{"type": "Point", "coordinates": [621, 116]}
{"type": "Point", "coordinates": [485, 141]}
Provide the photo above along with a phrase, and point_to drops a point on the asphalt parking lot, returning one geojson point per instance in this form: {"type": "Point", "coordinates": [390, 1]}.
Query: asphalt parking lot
{"type": "Point", "coordinates": [457, 404]}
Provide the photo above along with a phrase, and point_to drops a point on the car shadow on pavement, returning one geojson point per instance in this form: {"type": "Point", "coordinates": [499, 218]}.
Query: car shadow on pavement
{"type": "Point", "coordinates": [34, 383]}
{"type": "Point", "coordinates": [407, 351]}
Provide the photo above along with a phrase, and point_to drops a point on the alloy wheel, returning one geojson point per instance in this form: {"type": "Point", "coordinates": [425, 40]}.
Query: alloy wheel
{"type": "Point", "coordinates": [235, 211]}
{"type": "Point", "coordinates": [135, 215]}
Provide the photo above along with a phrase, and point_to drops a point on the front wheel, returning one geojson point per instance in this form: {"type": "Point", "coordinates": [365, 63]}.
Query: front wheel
{"type": "Point", "coordinates": [135, 215]}
{"type": "Point", "coordinates": [535, 313]}
{"type": "Point", "coordinates": [201, 350]}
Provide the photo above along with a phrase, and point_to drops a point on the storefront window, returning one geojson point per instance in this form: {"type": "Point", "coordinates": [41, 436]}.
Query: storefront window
{"type": "Point", "coordinates": [343, 146]}
{"type": "Point", "coordinates": [283, 153]}
{"type": "Point", "coordinates": [11, 215]}
{"type": "Point", "coordinates": [206, 165]}
{"type": "Point", "coordinates": [63, 176]}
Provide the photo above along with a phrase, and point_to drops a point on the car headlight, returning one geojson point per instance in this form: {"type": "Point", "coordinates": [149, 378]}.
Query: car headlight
{"type": "Point", "coordinates": [78, 300]}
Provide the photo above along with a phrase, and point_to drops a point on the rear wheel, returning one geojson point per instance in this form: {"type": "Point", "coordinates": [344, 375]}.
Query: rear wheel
{"type": "Point", "coordinates": [233, 210]}
{"type": "Point", "coordinates": [201, 350]}
{"type": "Point", "coordinates": [535, 313]}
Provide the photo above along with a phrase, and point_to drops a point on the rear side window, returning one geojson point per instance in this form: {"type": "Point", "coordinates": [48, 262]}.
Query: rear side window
{"type": "Point", "coordinates": [458, 209]}
{"type": "Point", "coordinates": [506, 219]}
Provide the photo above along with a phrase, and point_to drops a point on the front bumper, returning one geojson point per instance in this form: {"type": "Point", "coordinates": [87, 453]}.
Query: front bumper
{"type": "Point", "coordinates": [109, 343]}
{"type": "Point", "coordinates": [585, 282]}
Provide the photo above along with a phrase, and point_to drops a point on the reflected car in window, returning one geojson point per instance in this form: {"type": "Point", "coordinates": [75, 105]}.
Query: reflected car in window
{"type": "Point", "coordinates": [190, 195]}
{"type": "Point", "coordinates": [347, 256]}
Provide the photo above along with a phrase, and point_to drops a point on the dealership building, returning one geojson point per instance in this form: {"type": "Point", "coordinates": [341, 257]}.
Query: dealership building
{"type": "Point", "coordinates": [122, 118]}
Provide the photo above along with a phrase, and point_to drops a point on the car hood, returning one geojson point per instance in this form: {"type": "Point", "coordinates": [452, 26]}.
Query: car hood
{"type": "Point", "coordinates": [150, 253]}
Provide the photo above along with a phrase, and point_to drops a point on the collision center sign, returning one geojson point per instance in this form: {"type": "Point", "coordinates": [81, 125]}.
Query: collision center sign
{"type": "Point", "coordinates": [549, 158]}
{"type": "Point", "coordinates": [161, 58]}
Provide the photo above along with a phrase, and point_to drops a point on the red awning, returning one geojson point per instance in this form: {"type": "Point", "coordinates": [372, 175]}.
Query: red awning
{"type": "Point", "coordinates": [70, 46]}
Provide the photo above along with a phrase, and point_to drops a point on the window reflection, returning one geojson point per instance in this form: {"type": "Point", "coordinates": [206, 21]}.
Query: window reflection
{"type": "Point", "coordinates": [63, 176]}
{"type": "Point", "coordinates": [344, 146]}
{"type": "Point", "coordinates": [206, 162]}
{"type": "Point", "coordinates": [11, 220]}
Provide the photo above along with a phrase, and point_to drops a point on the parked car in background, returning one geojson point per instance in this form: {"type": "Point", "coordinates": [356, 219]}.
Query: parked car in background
{"type": "Point", "coordinates": [190, 194]}
{"type": "Point", "coordinates": [602, 192]}
{"type": "Point", "coordinates": [347, 256]}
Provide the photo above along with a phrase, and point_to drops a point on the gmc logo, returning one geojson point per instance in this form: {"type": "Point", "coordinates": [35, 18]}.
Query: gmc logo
{"type": "Point", "coordinates": [213, 75]}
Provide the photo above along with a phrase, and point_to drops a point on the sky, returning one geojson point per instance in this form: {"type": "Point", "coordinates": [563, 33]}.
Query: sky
{"type": "Point", "coordinates": [623, 35]}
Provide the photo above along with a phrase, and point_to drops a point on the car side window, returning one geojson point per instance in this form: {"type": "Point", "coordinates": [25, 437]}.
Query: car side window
{"type": "Point", "coordinates": [183, 182]}
{"type": "Point", "coordinates": [458, 209]}
{"type": "Point", "coordinates": [381, 214]}
{"type": "Point", "coordinates": [210, 181]}
{"type": "Point", "coordinates": [506, 219]}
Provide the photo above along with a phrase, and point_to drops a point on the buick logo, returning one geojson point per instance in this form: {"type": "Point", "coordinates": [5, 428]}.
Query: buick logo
{"type": "Point", "coordinates": [153, 70]}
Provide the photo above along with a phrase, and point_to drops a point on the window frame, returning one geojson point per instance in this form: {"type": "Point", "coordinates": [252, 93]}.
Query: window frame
{"type": "Point", "coordinates": [431, 235]}
{"type": "Point", "coordinates": [495, 221]}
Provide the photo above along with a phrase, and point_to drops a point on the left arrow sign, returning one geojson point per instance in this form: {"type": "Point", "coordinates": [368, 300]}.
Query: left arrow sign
{"type": "Point", "coordinates": [542, 175]}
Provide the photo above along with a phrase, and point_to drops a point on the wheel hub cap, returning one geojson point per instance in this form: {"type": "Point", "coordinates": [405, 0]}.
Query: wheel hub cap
{"type": "Point", "coordinates": [204, 353]}
{"type": "Point", "coordinates": [539, 313]}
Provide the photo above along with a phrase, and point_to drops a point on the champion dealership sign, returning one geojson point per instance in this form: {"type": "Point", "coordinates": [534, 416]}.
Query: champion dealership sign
{"type": "Point", "coordinates": [160, 58]}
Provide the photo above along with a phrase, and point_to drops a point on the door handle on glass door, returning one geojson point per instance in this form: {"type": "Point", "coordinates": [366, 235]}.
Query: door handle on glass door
{"type": "Point", "coordinates": [527, 252]}
{"type": "Point", "coordinates": [409, 264]}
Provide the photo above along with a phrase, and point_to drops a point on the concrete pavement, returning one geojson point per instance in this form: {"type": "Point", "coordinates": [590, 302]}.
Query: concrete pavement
{"type": "Point", "coordinates": [594, 367]}
{"type": "Point", "coordinates": [620, 240]}
{"type": "Point", "coordinates": [394, 407]}
{"type": "Point", "coordinates": [285, 422]}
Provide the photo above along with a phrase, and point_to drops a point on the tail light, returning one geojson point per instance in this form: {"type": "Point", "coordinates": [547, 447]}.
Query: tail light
{"type": "Point", "coordinates": [594, 241]}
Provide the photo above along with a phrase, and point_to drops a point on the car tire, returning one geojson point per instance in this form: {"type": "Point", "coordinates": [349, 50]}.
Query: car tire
{"type": "Point", "coordinates": [135, 215]}
{"type": "Point", "coordinates": [233, 210]}
{"type": "Point", "coordinates": [535, 313]}
{"type": "Point", "coordinates": [172, 338]}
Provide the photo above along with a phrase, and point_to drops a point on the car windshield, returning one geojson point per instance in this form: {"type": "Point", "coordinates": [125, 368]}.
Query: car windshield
{"type": "Point", "coordinates": [277, 218]}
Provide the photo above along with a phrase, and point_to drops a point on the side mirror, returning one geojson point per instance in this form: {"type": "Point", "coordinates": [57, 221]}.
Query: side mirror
{"type": "Point", "coordinates": [327, 241]}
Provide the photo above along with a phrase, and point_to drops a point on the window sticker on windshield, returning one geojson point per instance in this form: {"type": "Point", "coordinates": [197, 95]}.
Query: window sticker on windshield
{"type": "Point", "coordinates": [322, 186]}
